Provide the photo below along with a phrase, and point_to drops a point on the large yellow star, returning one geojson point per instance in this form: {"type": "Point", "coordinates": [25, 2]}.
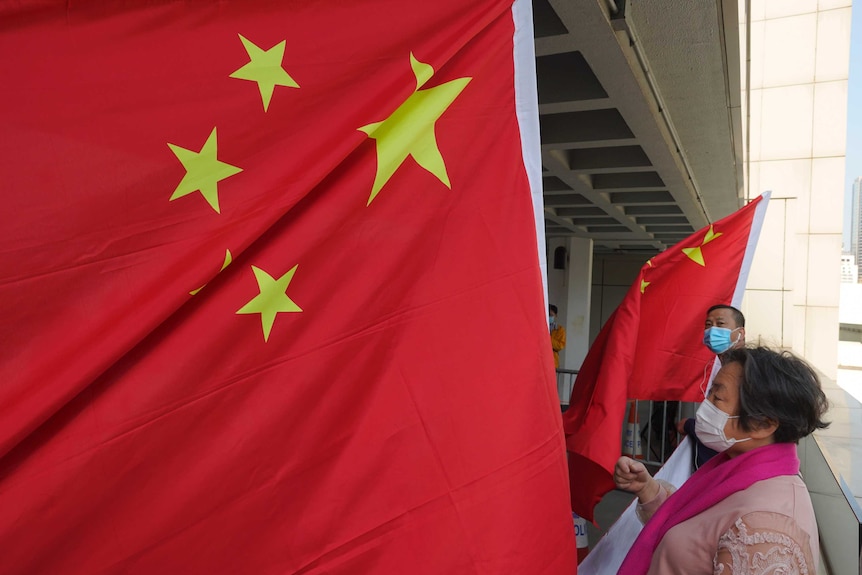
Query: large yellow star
{"type": "Point", "coordinates": [272, 299]}
{"type": "Point", "coordinates": [264, 67]}
{"type": "Point", "coordinates": [409, 131]}
{"type": "Point", "coordinates": [696, 254]}
{"type": "Point", "coordinates": [203, 171]}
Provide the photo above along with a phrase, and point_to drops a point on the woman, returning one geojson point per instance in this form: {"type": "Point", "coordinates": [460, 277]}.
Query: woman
{"type": "Point", "coordinates": [746, 510]}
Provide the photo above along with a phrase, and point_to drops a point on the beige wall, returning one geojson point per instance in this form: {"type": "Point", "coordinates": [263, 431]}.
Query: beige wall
{"type": "Point", "coordinates": [800, 51]}
{"type": "Point", "coordinates": [569, 289]}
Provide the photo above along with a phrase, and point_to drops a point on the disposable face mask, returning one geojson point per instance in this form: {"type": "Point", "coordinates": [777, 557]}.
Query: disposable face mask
{"type": "Point", "coordinates": [551, 320]}
{"type": "Point", "coordinates": [709, 427]}
{"type": "Point", "coordinates": [718, 340]}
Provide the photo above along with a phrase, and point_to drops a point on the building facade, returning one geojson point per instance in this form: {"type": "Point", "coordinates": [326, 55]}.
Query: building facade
{"type": "Point", "coordinates": [849, 269]}
{"type": "Point", "coordinates": [855, 220]}
{"type": "Point", "coordinates": [796, 99]}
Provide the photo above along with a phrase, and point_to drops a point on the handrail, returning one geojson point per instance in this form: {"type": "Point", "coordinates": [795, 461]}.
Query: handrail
{"type": "Point", "coordinates": [565, 383]}
{"type": "Point", "coordinates": [657, 437]}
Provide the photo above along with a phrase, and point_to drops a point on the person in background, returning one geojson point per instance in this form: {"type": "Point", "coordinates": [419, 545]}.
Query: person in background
{"type": "Point", "coordinates": [746, 510]}
{"type": "Point", "coordinates": [724, 330]}
{"type": "Point", "coordinates": [558, 334]}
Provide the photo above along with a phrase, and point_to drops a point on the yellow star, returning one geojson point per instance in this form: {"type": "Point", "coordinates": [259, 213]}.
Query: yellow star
{"type": "Point", "coordinates": [644, 285]}
{"type": "Point", "coordinates": [696, 254]}
{"type": "Point", "coordinates": [710, 235]}
{"type": "Point", "coordinates": [264, 67]}
{"type": "Point", "coordinates": [272, 299]}
{"type": "Point", "coordinates": [409, 131]}
{"type": "Point", "coordinates": [203, 171]}
{"type": "Point", "coordinates": [227, 260]}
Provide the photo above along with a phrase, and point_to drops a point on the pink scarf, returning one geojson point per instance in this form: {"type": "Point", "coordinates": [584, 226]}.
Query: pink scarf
{"type": "Point", "coordinates": [720, 477]}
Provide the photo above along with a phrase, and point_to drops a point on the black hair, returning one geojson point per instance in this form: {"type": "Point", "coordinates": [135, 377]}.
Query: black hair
{"type": "Point", "coordinates": [552, 308]}
{"type": "Point", "coordinates": [737, 315]}
{"type": "Point", "coordinates": [778, 387]}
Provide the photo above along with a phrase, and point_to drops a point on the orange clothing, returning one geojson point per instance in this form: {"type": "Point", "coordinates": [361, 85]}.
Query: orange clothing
{"type": "Point", "coordinates": [558, 342]}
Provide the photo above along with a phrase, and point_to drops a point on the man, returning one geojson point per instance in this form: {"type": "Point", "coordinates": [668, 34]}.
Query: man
{"type": "Point", "coordinates": [724, 329]}
{"type": "Point", "coordinates": [558, 334]}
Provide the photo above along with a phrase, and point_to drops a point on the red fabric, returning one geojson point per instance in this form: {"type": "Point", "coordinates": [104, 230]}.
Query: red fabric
{"type": "Point", "coordinates": [404, 421]}
{"type": "Point", "coordinates": [719, 478]}
{"type": "Point", "coordinates": [650, 348]}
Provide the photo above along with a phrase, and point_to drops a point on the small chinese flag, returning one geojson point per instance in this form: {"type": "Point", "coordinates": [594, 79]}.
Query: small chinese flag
{"type": "Point", "coordinates": [651, 346]}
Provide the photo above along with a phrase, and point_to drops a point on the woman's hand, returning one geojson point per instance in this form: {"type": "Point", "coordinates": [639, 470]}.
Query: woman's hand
{"type": "Point", "coordinates": [632, 476]}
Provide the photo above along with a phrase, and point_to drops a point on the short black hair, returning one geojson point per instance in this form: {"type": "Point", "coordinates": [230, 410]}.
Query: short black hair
{"type": "Point", "coordinates": [737, 315]}
{"type": "Point", "coordinates": [780, 387]}
{"type": "Point", "coordinates": [552, 308]}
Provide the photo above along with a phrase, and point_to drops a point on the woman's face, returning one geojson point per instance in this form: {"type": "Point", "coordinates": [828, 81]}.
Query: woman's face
{"type": "Point", "coordinates": [724, 394]}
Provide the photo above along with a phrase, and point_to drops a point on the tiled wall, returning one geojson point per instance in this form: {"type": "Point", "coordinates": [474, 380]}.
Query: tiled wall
{"type": "Point", "coordinates": [800, 51]}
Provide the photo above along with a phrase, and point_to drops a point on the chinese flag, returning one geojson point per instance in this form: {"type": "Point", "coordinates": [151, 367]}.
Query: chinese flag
{"type": "Point", "coordinates": [651, 346]}
{"type": "Point", "coordinates": [271, 293]}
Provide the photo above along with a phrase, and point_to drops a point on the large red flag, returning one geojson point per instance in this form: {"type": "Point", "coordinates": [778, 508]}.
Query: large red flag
{"type": "Point", "coordinates": [651, 346]}
{"type": "Point", "coordinates": [270, 292]}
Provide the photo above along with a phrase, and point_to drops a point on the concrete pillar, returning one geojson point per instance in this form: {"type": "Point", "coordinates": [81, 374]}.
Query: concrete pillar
{"type": "Point", "coordinates": [577, 310]}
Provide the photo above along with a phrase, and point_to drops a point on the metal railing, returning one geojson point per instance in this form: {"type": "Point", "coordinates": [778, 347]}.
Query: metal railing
{"type": "Point", "coordinates": [657, 427]}
{"type": "Point", "coordinates": [657, 420]}
{"type": "Point", "coordinates": [565, 383]}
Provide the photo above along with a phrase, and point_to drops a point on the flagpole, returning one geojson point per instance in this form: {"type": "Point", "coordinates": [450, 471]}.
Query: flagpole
{"type": "Point", "coordinates": [527, 112]}
{"type": "Point", "coordinates": [753, 236]}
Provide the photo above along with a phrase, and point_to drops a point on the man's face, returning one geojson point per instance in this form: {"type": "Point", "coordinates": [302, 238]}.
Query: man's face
{"type": "Point", "coordinates": [723, 317]}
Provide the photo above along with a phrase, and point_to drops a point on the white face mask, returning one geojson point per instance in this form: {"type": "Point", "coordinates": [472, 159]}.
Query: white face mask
{"type": "Point", "coordinates": [709, 427]}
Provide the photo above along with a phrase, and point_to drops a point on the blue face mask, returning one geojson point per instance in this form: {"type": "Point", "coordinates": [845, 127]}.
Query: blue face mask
{"type": "Point", "coordinates": [717, 339]}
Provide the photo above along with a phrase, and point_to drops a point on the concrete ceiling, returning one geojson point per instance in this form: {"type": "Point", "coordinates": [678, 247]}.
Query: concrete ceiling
{"type": "Point", "coordinates": [639, 117]}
